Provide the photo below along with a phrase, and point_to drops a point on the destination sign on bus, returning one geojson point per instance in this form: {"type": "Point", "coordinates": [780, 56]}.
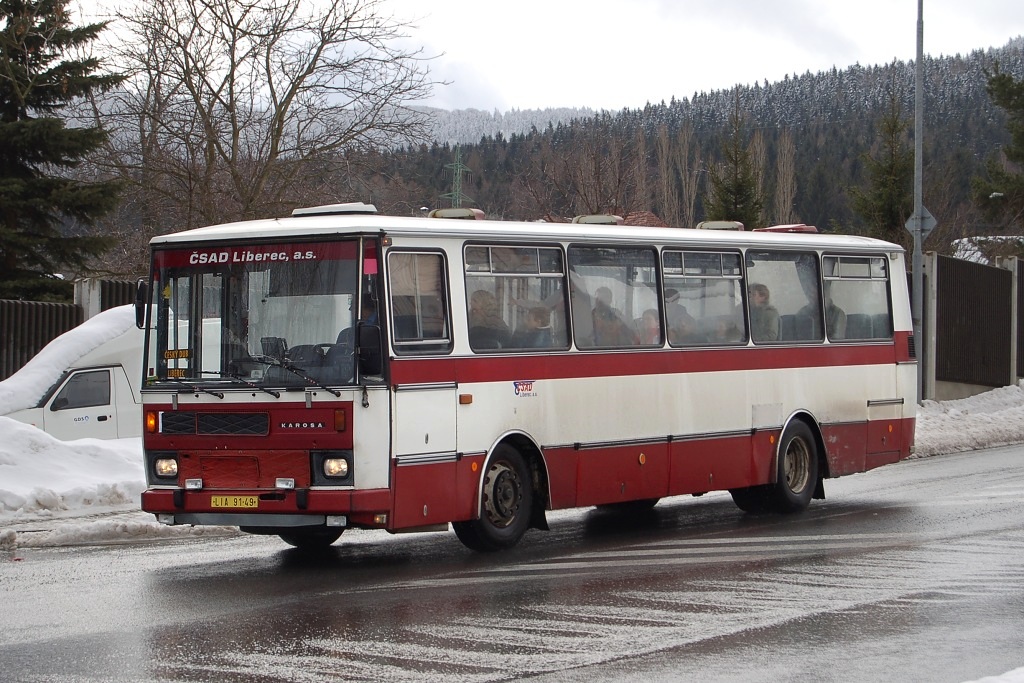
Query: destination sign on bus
{"type": "Point", "coordinates": [252, 254]}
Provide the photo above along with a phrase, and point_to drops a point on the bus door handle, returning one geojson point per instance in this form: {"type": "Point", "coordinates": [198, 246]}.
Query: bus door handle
{"type": "Point", "coordinates": [101, 418]}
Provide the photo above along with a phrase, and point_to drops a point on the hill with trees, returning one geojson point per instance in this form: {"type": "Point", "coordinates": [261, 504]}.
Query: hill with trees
{"type": "Point", "coordinates": [812, 138]}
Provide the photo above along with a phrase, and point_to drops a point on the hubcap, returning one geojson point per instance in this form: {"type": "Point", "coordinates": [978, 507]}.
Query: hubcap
{"type": "Point", "coordinates": [502, 495]}
{"type": "Point", "coordinates": [796, 465]}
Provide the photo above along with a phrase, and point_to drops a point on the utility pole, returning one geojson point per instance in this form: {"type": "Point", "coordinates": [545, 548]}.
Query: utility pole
{"type": "Point", "coordinates": [922, 222]}
{"type": "Point", "coordinates": [457, 169]}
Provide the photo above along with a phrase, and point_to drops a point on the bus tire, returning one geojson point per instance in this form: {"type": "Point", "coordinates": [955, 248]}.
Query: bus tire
{"type": "Point", "coordinates": [505, 506]}
{"type": "Point", "coordinates": [797, 473]}
{"type": "Point", "coordinates": [752, 500]}
{"type": "Point", "coordinates": [311, 539]}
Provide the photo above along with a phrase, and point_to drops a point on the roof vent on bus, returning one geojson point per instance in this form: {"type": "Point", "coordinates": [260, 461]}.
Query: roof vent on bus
{"type": "Point", "coordinates": [599, 219]}
{"type": "Point", "coordinates": [719, 225]}
{"type": "Point", "coordinates": [791, 227]}
{"type": "Point", "coordinates": [457, 212]}
{"type": "Point", "coordinates": [336, 209]}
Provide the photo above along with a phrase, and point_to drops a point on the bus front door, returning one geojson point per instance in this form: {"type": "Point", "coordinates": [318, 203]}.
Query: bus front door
{"type": "Point", "coordinates": [425, 455]}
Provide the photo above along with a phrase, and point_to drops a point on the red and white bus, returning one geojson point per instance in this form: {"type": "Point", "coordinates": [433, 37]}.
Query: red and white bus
{"type": "Point", "coordinates": [340, 369]}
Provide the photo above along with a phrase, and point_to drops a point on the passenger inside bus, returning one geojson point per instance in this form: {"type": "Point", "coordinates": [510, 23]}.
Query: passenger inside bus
{"type": "Point", "coordinates": [609, 327]}
{"type": "Point", "coordinates": [650, 327]}
{"type": "Point", "coordinates": [764, 318]}
{"type": "Point", "coordinates": [681, 325]}
{"type": "Point", "coordinates": [487, 329]}
{"type": "Point", "coordinates": [536, 330]}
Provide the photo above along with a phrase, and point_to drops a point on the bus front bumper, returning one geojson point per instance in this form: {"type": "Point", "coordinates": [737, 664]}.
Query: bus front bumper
{"type": "Point", "coordinates": [295, 508]}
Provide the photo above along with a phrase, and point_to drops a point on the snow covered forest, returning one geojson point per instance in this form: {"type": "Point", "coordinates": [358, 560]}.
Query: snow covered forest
{"type": "Point", "coordinates": [656, 158]}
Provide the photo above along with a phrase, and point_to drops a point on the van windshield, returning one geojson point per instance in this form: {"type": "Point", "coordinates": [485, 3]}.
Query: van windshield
{"type": "Point", "coordinates": [268, 314]}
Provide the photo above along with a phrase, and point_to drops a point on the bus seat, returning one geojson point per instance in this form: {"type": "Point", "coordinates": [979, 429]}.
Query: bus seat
{"type": "Point", "coordinates": [858, 326]}
{"type": "Point", "coordinates": [273, 346]}
{"type": "Point", "coordinates": [881, 326]}
{"type": "Point", "coordinates": [787, 328]}
{"type": "Point", "coordinates": [806, 327]}
{"type": "Point", "coordinates": [306, 355]}
{"type": "Point", "coordinates": [405, 327]}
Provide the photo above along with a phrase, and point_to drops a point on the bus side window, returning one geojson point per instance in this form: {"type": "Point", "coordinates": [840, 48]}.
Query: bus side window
{"type": "Point", "coordinates": [858, 286]}
{"type": "Point", "coordinates": [419, 296]}
{"type": "Point", "coordinates": [703, 298]}
{"type": "Point", "coordinates": [612, 288]}
{"type": "Point", "coordinates": [515, 298]}
{"type": "Point", "coordinates": [784, 297]}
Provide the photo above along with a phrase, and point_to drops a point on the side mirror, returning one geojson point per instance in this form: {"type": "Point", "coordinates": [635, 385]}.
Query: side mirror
{"type": "Point", "coordinates": [141, 303]}
{"type": "Point", "coordinates": [368, 349]}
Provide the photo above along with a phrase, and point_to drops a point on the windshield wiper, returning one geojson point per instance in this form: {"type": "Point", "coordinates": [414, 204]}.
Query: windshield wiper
{"type": "Point", "coordinates": [189, 388]}
{"type": "Point", "coordinates": [297, 372]}
{"type": "Point", "coordinates": [275, 394]}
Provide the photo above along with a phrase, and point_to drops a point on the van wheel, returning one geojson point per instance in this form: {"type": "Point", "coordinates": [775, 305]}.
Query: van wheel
{"type": "Point", "coordinates": [505, 506]}
{"type": "Point", "coordinates": [311, 539]}
{"type": "Point", "coordinates": [797, 474]}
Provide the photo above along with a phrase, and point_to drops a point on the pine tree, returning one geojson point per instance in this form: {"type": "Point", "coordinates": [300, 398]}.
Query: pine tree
{"type": "Point", "coordinates": [38, 152]}
{"type": "Point", "coordinates": [1000, 195]}
{"type": "Point", "coordinates": [734, 194]}
{"type": "Point", "coordinates": [888, 200]}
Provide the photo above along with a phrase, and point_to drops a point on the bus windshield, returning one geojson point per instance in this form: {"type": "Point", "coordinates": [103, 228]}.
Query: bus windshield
{"type": "Point", "coordinates": [272, 315]}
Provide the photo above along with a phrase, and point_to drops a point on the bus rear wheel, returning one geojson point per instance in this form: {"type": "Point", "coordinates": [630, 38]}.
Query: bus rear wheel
{"type": "Point", "coordinates": [753, 499]}
{"type": "Point", "coordinates": [797, 474]}
{"type": "Point", "coordinates": [505, 506]}
{"type": "Point", "coordinates": [311, 539]}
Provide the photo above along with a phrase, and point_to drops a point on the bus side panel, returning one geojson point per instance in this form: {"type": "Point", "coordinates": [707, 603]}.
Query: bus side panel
{"type": "Point", "coordinates": [705, 465]}
{"type": "Point", "coordinates": [615, 475]}
{"type": "Point", "coordinates": [563, 467]}
{"type": "Point", "coordinates": [469, 470]}
{"type": "Point", "coordinates": [844, 447]}
{"type": "Point", "coordinates": [425, 494]}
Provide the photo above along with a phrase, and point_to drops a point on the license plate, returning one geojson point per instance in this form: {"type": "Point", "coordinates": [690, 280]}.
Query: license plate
{"type": "Point", "coordinates": [234, 501]}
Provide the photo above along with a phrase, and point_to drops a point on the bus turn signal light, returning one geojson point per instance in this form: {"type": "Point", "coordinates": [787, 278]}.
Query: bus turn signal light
{"type": "Point", "coordinates": [151, 422]}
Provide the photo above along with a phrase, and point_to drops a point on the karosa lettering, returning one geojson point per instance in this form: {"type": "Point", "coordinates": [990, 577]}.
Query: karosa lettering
{"type": "Point", "coordinates": [246, 256]}
{"type": "Point", "coordinates": [302, 425]}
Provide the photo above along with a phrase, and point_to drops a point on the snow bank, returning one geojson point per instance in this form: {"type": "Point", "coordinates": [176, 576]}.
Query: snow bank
{"type": "Point", "coordinates": [38, 473]}
{"type": "Point", "coordinates": [995, 418]}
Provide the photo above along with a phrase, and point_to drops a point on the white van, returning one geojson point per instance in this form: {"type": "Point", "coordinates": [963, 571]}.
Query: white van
{"type": "Point", "coordinates": [95, 393]}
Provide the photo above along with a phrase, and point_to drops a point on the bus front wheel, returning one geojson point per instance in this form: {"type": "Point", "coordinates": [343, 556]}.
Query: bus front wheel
{"type": "Point", "coordinates": [505, 505]}
{"type": "Point", "coordinates": [311, 539]}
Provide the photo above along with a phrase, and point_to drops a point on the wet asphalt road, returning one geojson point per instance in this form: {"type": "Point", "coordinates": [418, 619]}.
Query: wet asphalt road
{"type": "Point", "coordinates": [913, 572]}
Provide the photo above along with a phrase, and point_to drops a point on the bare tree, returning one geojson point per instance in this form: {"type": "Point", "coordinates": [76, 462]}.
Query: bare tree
{"type": "Point", "coordinates": [785, 178]}
{"type": "Point", "coordinates": [759, 159]}
{"type": "Point", "coordinates": [690, 169]}
{"type": "Point", "coordinates": [231, 106]}
{"type": "Point", "coordinates": [586, 168]}
{"type": "Point", "coordinates": [668, 194]}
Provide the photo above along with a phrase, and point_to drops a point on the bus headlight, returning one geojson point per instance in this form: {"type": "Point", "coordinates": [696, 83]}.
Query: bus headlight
{"type": "Point", "coordinates": [336, 468]}
{"type": "Point", "coordinates": [165, 467]}
{"type": "Point", "coordinates": [332, 468]}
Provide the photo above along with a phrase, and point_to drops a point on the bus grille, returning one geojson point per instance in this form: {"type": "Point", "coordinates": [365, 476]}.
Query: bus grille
{"type": "Point", "coordinates": [215, 424]}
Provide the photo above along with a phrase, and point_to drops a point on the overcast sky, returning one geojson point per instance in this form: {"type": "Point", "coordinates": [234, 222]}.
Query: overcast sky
{"type": "Point", "coordinates": [612, 54]}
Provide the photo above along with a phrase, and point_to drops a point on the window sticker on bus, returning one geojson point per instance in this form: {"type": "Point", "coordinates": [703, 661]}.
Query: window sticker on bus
{"type": "Point", "coordinates": [524, 388]}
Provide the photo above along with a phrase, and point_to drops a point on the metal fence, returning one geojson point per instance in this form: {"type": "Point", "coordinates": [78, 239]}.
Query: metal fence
{"type": "Point", "coordinates": [972, 323]}
{"type": "Point", "coordinates": [27, 326]}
